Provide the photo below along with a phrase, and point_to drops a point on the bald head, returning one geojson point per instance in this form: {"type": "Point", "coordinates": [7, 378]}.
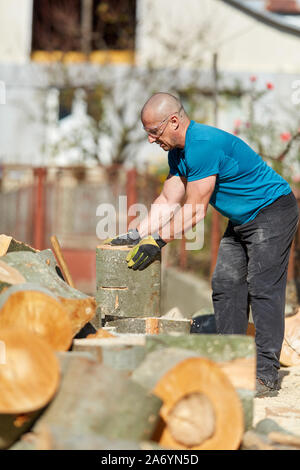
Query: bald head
{"type": "Point", "coordinates": [159, 106]}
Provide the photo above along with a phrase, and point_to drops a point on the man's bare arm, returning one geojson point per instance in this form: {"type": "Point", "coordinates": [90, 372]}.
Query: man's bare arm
{"type": "Point", "coordinates": [164, 206]}
{"type": "Point", "coordinates": [198, 194]}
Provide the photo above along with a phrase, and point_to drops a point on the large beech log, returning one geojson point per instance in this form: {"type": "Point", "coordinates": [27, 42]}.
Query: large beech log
{"type": "Point", "coordinates": [201, 409]}
{"type": "Point", "coordinates": [32, 307]}
{"type": "Point", "coordinates": [151, 325]}
{"type": "Point", "coordinates": [235, 355]}
{"type": "Point", "coordinates": [98, 400]}
{"type": "Point", "coordinates": [121, 353]}
{"type": "Point", "coordinates": [29, 379]}
{"type": "Point", "coordinates": [39, 269]}
{"type": "Point", "coordinates": [290, 352]}
{"type": "Point", "coordinates": [123, 292]}
{"type": "Point", "coordinates": [8, 244]}
{"type": "Point", "coordinates": [60, 438]}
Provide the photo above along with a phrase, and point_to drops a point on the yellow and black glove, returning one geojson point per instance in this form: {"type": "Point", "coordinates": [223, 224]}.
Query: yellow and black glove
{"type": "Point", "coordinates": [132, 237]}
{"type": "Point", "coordinates": [146, 251]}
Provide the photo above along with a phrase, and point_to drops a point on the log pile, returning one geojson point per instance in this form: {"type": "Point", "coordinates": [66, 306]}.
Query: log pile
{"type": "Point", "coordinates": [138, 382]}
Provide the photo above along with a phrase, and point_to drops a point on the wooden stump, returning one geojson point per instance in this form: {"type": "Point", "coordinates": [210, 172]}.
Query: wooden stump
{"type": "Point", "coordinates": [34, 268]}
{"type": "Point", "coordinates": [201, 409]}
{"type": "Point", "coordinates": [235, 355]}
{"type": "Point", "coordinates": [29, 378]}
{"type": "Point", "coordinates": [94, 399]}
{"type": "Point", "coordinates": [151, 325]}
{"type": "Point", "coordinates": [123, 292]}
{"type": "Point", "coordinates": [29, 306]}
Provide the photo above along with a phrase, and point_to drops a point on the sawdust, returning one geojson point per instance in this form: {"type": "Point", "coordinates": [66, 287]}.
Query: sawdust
{"type": "Point", "coordinates": [285, 407]}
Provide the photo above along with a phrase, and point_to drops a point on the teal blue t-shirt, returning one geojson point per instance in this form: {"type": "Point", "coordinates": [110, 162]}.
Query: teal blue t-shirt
{"type": "Point", "coordinates": [244, 182]}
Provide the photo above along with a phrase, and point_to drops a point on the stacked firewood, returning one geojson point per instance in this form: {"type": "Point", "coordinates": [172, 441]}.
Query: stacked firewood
{"type": "Point", "coordinates": [134, 383]}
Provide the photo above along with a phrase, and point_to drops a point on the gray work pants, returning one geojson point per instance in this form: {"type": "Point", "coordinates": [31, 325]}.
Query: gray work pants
{"type": "Point", "coordinates": [252, 269]}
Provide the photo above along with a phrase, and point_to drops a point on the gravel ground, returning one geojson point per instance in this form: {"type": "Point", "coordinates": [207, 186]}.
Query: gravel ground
{"type": "Point", "coordinates": [285, 407]}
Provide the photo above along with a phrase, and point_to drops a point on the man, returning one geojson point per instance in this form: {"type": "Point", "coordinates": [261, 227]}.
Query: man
{"type": "Point", "coordinates": [208, 165]}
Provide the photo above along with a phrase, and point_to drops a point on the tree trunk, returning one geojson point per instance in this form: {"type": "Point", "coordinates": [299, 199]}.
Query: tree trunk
{"type": "Point", "coordinates": [235, 355]}
{"type": "Point", "coordinates": [8, 244]}
{"type": "Point", "coordinates": [60, 438]}
{"type": "Point", "coordinates": [201, 409]}
{"type": "Point", "coordinates": [32, 307]}
{"type": "Point", "coordinates": [123, 292]}
{"type": "Point", "coordinates": [94, 399]}
{"type": "Point", "coordinates": [151, 325]}
{"type": "Point", "coordinates": [39, 269]}
{"type": "Point", "coordinates": [118, 353]}
{"type": "Point", "coordinates": [29, 378]}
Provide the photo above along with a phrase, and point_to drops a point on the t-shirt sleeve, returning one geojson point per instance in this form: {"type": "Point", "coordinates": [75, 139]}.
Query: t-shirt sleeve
{"type": "Point", "coordinates": [172, 160]}
{"type": "Point", "coordinates": [203, 159]}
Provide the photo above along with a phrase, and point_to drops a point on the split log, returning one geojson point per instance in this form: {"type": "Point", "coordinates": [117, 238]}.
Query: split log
{"type": "Point", "coordinates": [29, 378]}
{"type": "Point", "coordinates": [29, 306]}
{"type": "Point", "coordinates": [119, 353]}
{"type": "Point", "coordinates": [8, 244]}
{"type": "Point", "coordinates": [123, 292]}
{"type": "Point", "coordinates": [201, 409]}
{"type": "Point", "coordinates": [268, 435]}
{"type": "Point", "coordinates": [235, 355]}
{"type": "Point", "coordinates": [33, 268]}
{"type": "Point", "coordinates": [94, 399]}
{"type": "Point", "coordinates": [151, 325]}
{"type": "Point", "coordinates": [290, 352]}
{"type": "Point", "coordinates": [61, 438]}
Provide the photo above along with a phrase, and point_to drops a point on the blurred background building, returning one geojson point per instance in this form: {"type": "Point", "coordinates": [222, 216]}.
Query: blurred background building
{"type": "Point", "coordinates": [74, 75]}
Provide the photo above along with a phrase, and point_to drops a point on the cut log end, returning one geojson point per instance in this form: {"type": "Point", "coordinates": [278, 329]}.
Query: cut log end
{"type": "Point", "coordinates": [38, 311]}
{"type": "Point", "coordinates": [201, 409]}
{"type": "Point", "coordinates": [9, 275]}
{"type": "Point", "coordinates": [30, 373]}
{"type": "Point", "coordinates": [192, 420]}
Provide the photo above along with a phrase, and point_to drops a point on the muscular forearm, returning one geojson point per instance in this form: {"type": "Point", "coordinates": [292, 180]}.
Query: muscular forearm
{"type": "Point", "coordinates": [184, 219]}
{"type": "Point", "coordinates": [162, 211]}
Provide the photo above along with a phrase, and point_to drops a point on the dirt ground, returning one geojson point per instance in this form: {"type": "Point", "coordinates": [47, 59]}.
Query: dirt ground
{"type": "Point", "coordinates": [285, 407]}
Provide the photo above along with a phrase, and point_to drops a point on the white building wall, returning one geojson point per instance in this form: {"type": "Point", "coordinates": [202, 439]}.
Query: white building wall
{"type": "Point", "coordinates": [243, 43]}
{"type": "Point", "coordinates": [15, 31]}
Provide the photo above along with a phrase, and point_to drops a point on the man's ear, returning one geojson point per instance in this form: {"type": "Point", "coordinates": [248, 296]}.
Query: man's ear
{"type": "Point", "coordinates": [175, 122]}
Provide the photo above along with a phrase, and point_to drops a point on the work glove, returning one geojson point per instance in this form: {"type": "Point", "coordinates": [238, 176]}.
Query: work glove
{"type": "Point", "coordinates": [146, 251]}
{"type": "Point", "coordinates": [132, 237]}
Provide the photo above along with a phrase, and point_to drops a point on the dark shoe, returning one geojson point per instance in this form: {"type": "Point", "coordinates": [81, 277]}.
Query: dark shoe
{"type": "Point", "coordinates": [266, 388]}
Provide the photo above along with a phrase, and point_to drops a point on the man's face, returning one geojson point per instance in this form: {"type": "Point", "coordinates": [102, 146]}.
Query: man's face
{"type": "Point", "coordinates": [160, 131]}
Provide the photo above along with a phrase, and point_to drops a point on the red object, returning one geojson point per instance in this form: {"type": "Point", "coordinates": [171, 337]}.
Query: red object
{"type": "Point", "coordinates": [131, 192]}
{"type": "Point", "coordinates": [283, 6]}
{"type": "Point", "coordinates": [82, 266]}
{"type": "Point", "coordinates": [253, 78]}
{"type": "Point", "coordinates": [285, 136]}
{"type": "Point", "coordinates": [270, 86]}
{"type": "Point", "coordinates": [39, 201]}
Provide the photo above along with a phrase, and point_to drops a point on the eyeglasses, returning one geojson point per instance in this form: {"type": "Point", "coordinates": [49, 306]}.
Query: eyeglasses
{"type": "Point", "coordinates": [154, 132]}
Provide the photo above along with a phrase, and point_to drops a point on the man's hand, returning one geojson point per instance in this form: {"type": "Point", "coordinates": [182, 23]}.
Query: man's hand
{"type": "Point", "coordinates": [145, 252]}
{"type": "Point", "coordinates": [132, 237]}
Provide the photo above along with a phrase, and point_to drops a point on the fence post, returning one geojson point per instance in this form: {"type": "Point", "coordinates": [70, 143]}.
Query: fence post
{"type": "Point", "coordinates": [39, 202]}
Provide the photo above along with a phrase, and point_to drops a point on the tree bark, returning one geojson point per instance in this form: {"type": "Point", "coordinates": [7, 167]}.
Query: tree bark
{"type": "Point", "coordinates": [29, 379]}
{"type": "Point", "coordinates": [151, 325]}
{"type": "Point", "coordinates": [118, 353]}
{"type": "Point", "coordinates": [32, 307]}
{"type": "Point", "coordinates": [94, 399]}
{"type": "Point", "coordinates": [9, 244]}
{"type": "Point", "coordinates": [39, 269]}
{"type": "Point", "coordinates": [123, 292]}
